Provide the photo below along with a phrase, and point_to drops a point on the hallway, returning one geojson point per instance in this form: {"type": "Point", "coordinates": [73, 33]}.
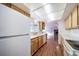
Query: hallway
{"type": "Point", "coordinates": [49, 49]}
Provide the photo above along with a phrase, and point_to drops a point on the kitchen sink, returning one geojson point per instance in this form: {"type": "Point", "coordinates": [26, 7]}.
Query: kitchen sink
{"type": "Point", "coordinates": [74, 44]}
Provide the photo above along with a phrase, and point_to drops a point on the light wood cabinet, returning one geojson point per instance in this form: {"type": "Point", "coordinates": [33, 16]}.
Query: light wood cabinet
{"type": "Point", "coordinates": [72, 21]}
{"type": "Point", "coordinates": [14, 7]}
{"type": "Point", "coordinates": [78, 17]}
{"type": "Point", "coordinates": [41, 25]}
{"type": "Point", "coordinates": [40, 41]}
{"type": "Point", "coordinates": [74, 17]}
{"type": "Point", "coordinates": [44, 38]}
{"type": "Point", "coordinates": [68, 22]}
{"type": "Point", "coordinates": [37, 42]}
{"type": "Point", "coordinates": [34, 45]}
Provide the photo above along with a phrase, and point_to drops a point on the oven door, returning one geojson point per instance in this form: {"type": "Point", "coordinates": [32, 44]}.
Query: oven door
{"type": "Point", "coordinates": [68, 50]}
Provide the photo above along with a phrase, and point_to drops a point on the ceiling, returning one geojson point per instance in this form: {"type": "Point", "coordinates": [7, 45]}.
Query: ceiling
{"type": "Point", "coordinates": [48, 11]}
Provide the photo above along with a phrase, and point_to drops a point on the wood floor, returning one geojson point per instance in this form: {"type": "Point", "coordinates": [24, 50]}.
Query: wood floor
{"type": "Point", "coordinates": [51, 48]}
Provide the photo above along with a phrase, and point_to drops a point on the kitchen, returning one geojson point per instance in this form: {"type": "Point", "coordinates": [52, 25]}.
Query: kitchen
{"type": "Point", "coordinates": [37, 23]}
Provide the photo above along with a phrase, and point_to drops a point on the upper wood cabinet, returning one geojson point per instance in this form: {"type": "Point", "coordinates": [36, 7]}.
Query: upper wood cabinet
{"type": "Point", "coordinates": [41, 25]}
{"type": "Point", "coordinates": [78, 16]}
{"type": "Point", "coordinates": [73, 20]}
{"type": "Point", "coordinates": [15, 7]}
{"type": "Point", "coordinates": [68, 22]}
{"type": "Point", "coordinates": [74, 17]}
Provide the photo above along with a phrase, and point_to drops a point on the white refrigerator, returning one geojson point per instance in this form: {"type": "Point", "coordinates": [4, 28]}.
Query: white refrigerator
{"type": "Point", "coordinates": [14, 33]}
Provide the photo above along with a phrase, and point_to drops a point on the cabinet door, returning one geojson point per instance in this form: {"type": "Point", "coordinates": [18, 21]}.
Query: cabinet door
{"type": "Point", "coordinates": [68, 22]}
{"type": "Point", "coordinates": [74, 18]}
{"type": "Point", "coordinates": [40, 41]}
{"type": "Point", "coordinates": [78, 17]}
{"type": "Point", "coordinates": [41, 25]}
{"type": "Point", "coordinates": [44, 38]}
{"type": "Point", "coordinates": [34, 45]}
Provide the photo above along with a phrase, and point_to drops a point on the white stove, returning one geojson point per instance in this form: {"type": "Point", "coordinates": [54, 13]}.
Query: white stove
{"type": "Point", "coordinates": [71, 48]}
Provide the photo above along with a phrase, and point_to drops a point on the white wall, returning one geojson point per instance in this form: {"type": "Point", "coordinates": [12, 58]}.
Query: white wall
{"type": "Point", "coordinates": [50, 26]}
{"type": "Point", "coordinates": [14, 23]}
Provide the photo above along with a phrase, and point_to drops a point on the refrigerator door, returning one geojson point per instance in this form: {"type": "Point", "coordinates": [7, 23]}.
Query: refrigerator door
{"type": "Point", "coordinates": [14, 33]}
{"type": "Point", "coordinates": [15, 46]}
{"type": "Point", "coordinates": [13, 22]}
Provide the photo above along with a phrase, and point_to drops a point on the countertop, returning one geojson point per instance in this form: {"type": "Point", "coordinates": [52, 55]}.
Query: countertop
{"type": "Point", "coordinates": [68, 36]}
{"type": "Point", "coordinates": [38, 34]}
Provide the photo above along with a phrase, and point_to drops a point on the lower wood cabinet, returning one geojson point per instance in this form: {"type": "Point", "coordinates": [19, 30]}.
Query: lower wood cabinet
{"type": "Point", "coordinates": [44, 38]}
{"type": "Point", "coordinates": [40, 41]}
{"type": "Point", "coordinates": [37, 42]}
{"type": "Point", "coordinates": [34, 45]}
